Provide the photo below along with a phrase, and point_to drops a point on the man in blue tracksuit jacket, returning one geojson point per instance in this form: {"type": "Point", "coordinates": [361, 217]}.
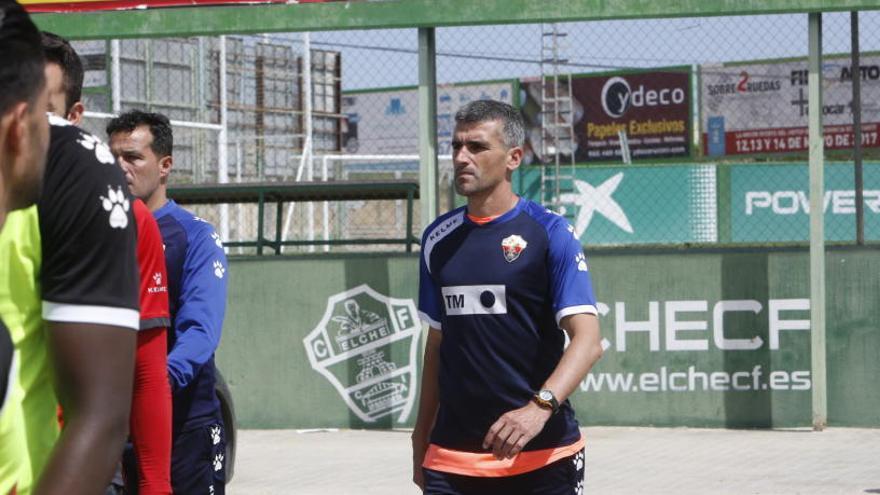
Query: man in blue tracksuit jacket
{"type": "Point", "coordinates": [197, 277]}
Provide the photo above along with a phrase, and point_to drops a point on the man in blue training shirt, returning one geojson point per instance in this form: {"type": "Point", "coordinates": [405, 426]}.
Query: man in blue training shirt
{"type": "Point", "coordinates": [499, 278]}
{"type": "Point", "coordinates": [142, 142]}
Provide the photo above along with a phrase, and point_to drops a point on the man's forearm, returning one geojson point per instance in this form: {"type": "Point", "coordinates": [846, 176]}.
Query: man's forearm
{"type": "Point", "coordinates": [515, 429]}
{"type": "Point", "coordinates": [580, 356]}
{"type": "Point", "coordinates": [187, 357]}
{"type": "Point", "coordinates": [81, 461]}
{"type": "Point", "coordinates": [96, 396]}
{"type": "Point", "coordinates": [429, 399]}
{"type": "Point", "coordinates": [151, 414]}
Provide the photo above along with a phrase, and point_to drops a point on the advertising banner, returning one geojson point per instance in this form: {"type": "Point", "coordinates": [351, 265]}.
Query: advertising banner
{"type": "Point", "coordinates": [761, 108]}
{"type": "Point", "coordinates": [384, 122]}
{"type": "Point", "coordinates": [651, 108]}
{"type": "Point", "coordinates": [771, 203]}
{"type": "Point", "coordinates": [678, 204]}
{"type": "Point", "coordinates": [636, 204]}
{"type": "Point", "coordinates": [707, 340]}
{"type": "Point", "coordinates": [96, 5]}
{"type": "Point", "coordinates": [691, 338]}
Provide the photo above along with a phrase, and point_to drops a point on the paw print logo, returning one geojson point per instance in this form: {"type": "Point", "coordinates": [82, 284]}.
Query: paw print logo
{"type": "Point", "coordinates": [218, 462]}
{"type": "Point", "coordinates": [157, 278]}
{"type": "Point", "coordinates": [579, 489]}
{"type": "Point", "coordinates": [215, 434]}
{"type": "Point", "coordinates": [579, 460]}
{"type": "Point", "coordinates": [581, 261]}
{"type": "Point", "coordinates": [210, 489]}
{"type": "Point", "coordinates": [118, 205]}
{"type": "Point", "coordinates": [219, 270]}
{"type": "Point", "coordinates": [217, 241]}
{"type": "Point", "coordinates": [102, 151]}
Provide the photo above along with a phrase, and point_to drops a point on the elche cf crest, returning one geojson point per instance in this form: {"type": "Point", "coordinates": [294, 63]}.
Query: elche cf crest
{"type": "Point", "coordinates": [365, 346]}
{"type": "Point", "coordinates": [513, 246]}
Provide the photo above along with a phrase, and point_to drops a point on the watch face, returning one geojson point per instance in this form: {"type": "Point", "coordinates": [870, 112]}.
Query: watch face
{"type": "Point", "coordinates": [545, 395]}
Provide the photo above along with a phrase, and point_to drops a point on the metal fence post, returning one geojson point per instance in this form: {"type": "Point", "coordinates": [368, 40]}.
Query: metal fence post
{"type": "Point", "coordinates": [427, 125]}
{"type": "Point", "coordinates": [222, 138]}
{"type": "Point", "coordinates": [409, 220]}
{"type": "Point", "coordinates": [307, 124]}
{"type": "Point", "coordinates": [116, 75]}
{"type": "Point", "coordinates": [279, 239]}
{"type": "Point", "coordinates": [817, 226]}
{"type": "Point", "coordinates": [857, 126]}
{"type": "Point", "coordinates": [326, 208]}
{"type": "Point", "coordinates": [261, 205]}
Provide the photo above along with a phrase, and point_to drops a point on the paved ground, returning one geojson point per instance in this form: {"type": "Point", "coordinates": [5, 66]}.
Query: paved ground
{"type": "Point", "coordinates": [620, 461]}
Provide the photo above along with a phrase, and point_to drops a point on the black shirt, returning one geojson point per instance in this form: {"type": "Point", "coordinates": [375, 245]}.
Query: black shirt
{"type": "Point", "coordinates": [89, 269]}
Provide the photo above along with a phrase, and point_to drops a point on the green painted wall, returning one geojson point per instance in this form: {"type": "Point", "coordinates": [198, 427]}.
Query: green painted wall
{"type": "Point", "coordinates": [361, 14]}
{"type": "Point", "coordinates": [275, 302]}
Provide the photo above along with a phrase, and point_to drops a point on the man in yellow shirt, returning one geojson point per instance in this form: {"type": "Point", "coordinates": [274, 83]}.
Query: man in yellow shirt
{"type": "Point", "coordinates": [61, 291]}
{"type": "Point", "coordinates": [24, 138]}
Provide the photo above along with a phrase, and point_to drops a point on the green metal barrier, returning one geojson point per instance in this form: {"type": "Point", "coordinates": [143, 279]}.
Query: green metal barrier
{"type": "Point", "coordinates": [281, 193]}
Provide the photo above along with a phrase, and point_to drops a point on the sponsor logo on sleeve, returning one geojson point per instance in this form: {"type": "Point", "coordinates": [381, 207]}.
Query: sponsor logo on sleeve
{"type": "Point", "coordinates": [117, 205]}
{"type": "Point", "coordinates": [157, 286]}
{"type": "Point", "coordinates": [581, 261]}
{"type": "Point", "coordinates": [102, 151]}
{"type": "Point", "coordinates": [219, 269]}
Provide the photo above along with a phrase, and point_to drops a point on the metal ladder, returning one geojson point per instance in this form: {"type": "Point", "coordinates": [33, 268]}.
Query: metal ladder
{"type": "Point", "coordinates": [557, 126]}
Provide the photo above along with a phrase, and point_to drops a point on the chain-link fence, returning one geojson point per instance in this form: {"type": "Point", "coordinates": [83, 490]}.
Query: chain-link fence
{"type": "Point", "coordinates": [276, 129]}
{"type": "Point", "coordinates": [682, 131]}
{"type": "Point", "coordinates": [641, 132]}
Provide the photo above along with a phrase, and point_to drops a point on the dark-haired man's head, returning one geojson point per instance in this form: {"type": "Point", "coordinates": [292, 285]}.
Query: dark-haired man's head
{"type": "Point", "coordinates": [64, 78]}
{"type": "Point", "coordinates": [24, 129]}
{"type": "Point", "coordinates": [142, 143]}
{"type": "Point", "coordinates": [486, 147]}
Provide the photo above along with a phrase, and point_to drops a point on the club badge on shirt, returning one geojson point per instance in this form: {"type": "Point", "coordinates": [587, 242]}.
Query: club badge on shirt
{"type": "Point", "coordinates": [513, 246]}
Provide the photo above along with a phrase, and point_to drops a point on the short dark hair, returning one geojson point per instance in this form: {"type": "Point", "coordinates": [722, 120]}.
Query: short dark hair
{"type": "Point", "coordinates": [160, 128]}
{"type": "Point", "coordinates": [480, 111]}
{"type": "Point", "coordinates": [58, 51]}
{"type": "Point", "coordinates": [21, 57]}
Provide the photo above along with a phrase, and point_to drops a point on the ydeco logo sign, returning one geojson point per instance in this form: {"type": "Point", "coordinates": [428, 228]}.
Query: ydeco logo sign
{"type": "Point", "coordinates": [618, 97]}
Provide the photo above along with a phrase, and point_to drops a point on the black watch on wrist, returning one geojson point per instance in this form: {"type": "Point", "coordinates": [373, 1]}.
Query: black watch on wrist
{"type": "Point", "coordinates": [547, 400]}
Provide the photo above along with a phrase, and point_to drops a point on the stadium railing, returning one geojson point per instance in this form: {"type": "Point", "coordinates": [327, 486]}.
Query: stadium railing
{"type": "Point", "coordinates": [281, 193]}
